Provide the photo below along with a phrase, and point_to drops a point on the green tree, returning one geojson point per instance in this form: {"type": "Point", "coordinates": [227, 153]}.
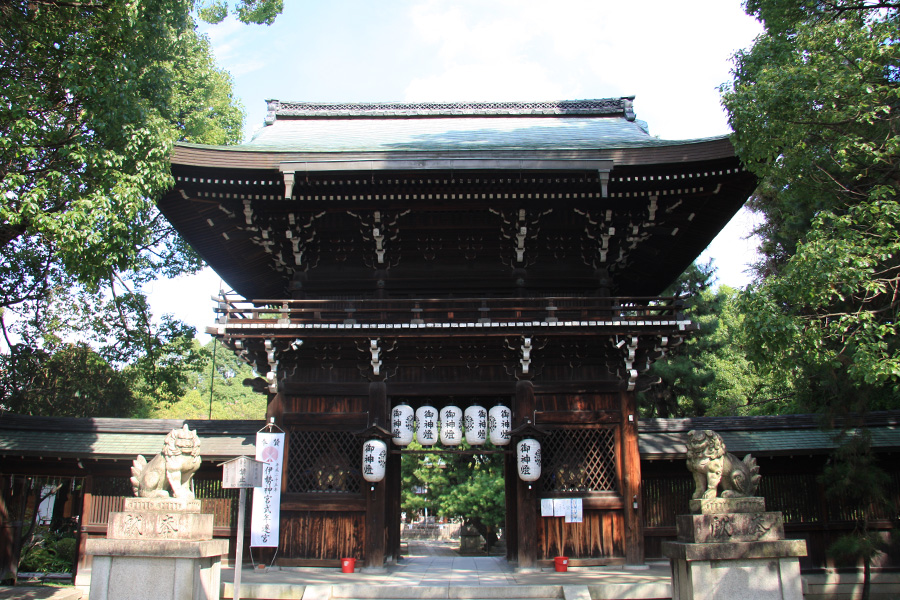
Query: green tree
{"type": "Point", "coordinates": [815, 105]}
{"type": "Point", "coordinates": [71, 381]}
{"type": "Point", "coordinates": [710, 373]}
{"type": "Point", "coordinates": [466, 488]}
{"type": "Point", "coordinates": [856, 483]}
{"type": "Point", "coordinates": [231, 399]}
{"type": "Point", "coordinates": [94, 95]}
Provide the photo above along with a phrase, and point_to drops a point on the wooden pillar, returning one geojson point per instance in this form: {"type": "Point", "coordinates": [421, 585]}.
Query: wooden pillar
{"type": "Point", "coordinates": [9, 533]}
{"type": "Point", "coordinates": [526, 499]}
{"type": "Point", "coordinates": [511, 526]}
{"type": "Point", "coordinates": [631, 482]}
{"type": "Point", "coordinates": [83, 560]}
{"type": "Point", "coordinates": [376, 498]}
{"type": "Point", "coordinates": [393, 482]}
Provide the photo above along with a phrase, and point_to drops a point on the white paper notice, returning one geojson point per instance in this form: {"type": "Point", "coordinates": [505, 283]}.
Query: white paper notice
{"type": "Point", "coordinates": [574, 510]}
{"type": "Point", "coordinates": [560, 505]}
{"type": "Point", "coordinates": [547, 507]}
{"type": "Point", "coordinates": [266, 510]}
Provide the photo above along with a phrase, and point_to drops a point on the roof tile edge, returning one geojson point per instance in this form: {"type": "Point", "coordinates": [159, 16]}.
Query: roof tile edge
{"type": "Point", "coordinates": [597, 107]}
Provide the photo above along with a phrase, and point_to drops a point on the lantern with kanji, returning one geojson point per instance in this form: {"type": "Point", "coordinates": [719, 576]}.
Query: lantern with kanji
{"type": "Point", "coordinates": [476, 425]}
{"type": "Point", "coordinates": [451, 426]}
{"type": "Point", "coordinates": [427, 425]}
{"type": "Point", "coordinates": [374, 460]}
{"type": "Point", "coordinates": [528, 460]}
{"type": "Point", "coordinates": [402, 422]}
{"type": "Point", "coordinates": [499, 424]}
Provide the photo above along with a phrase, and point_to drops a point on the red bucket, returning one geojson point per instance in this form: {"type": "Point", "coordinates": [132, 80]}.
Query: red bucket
{"type": "Point", "coordinates": [561, 563]}
{"type": "Point", "coordinates": [347, 565]}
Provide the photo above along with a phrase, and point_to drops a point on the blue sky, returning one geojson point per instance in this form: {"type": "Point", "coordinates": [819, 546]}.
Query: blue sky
{"type": "Point", "coordinates": [671, 56]}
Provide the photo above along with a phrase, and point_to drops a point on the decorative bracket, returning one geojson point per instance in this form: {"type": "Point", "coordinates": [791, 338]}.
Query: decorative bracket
{"type": "Point", "coordinates": [272, 374]}
{"type": "Point", "coordinates": [374, 348]}
{"type": "Point", "coordinates": [289, 184]}
{"type": "Point", "coordinates": [376, 354]}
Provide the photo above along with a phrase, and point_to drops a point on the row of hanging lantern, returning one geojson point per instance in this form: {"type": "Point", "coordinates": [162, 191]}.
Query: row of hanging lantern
{"type": "Point", "coordinates": [480, 425]}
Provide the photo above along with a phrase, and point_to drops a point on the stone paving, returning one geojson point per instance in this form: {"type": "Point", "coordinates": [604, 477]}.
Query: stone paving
{"type": "Point", "coordinates": [39, 592]}
{"type": "Point", "coordinates": [430, 567]}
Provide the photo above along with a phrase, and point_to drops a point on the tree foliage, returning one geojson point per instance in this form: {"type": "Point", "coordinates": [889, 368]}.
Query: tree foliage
{"type": "Point", "coordinates": [94, 95]}
{"type": "Point", "coordinates": [815, 106]}
{"type": "Point", "coordinates": [467, 488]}
{"type": "Point", "coordinates": [72, 381]}
{"type": "Point", "coordinates": [226, 398]}
{"type": "Point", "coordinates": [710, 374]}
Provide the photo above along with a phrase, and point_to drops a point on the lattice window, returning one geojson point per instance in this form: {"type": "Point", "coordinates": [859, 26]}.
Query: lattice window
{"type": "Point", "coordinates": [324, 462]}
{"type": "Point", "coordinates": [580, 460]}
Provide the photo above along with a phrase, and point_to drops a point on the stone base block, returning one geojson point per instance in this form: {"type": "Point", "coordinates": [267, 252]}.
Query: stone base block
{"type": "Point", "coordinates": [736, 527]}
{"type": "Point", "coordinates": [718, 506]}
{"type": "Point", "coordinates": [747, 579]}
{"type": "Point", "coordinates": [158, 569]}
{"type": "Point", "coordinates": [161, 505]}
{"type": "Point", "coordinates": [734, 551]}
{"type": "Point", "coordinates": [160, 525]}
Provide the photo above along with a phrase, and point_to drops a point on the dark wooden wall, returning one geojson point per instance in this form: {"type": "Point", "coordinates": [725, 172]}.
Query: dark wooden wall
{"type": "Point", "coordinates": [789, 484]}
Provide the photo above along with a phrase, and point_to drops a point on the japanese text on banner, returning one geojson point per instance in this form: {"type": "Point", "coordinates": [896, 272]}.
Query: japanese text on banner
{"type": "Point", "coordinates": [267, 499]}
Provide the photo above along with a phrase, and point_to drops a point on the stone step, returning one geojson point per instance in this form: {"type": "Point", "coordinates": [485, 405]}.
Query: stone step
{"type": "Point", "coordinates": [276, 591]}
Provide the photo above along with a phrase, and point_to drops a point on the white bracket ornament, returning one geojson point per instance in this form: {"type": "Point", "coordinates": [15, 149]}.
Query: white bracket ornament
{"type": "Point", "coordinates": [376, 356]}
{"type": "Point", "coordinates": [272, 374]}
{"type": "Point", "coordinates": [631, 349]}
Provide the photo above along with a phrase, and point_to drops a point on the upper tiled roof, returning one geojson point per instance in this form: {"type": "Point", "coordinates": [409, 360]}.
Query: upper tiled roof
{"type": "Point", "coordinates": [447, 127]}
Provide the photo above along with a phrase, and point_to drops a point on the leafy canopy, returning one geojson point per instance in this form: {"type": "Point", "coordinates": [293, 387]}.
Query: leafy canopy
{"type": "Point", "coordinates": [466, 488]}
{"type": "Point", "coordinates": [711, 374]}
{"type": "Point", "coordinates": [94, 95]}
{"type": "Point", "coordinates": [815, 106]}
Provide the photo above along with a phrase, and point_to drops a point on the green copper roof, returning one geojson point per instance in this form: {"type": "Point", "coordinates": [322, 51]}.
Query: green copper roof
{"type": "Point", "coordinates": [374, 127]}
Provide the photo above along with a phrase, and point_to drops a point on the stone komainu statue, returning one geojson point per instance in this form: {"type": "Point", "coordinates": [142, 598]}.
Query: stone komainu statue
{"type": "Point", "coordinates": [714, 468]}
{"type": "Point", "coordinates": [170, 471]}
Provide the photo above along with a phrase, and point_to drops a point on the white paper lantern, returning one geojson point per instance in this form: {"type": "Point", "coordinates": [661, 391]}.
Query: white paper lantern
{"type": "Point", "coordinates": [427, 425]}
{"type": "Point", "coordinates": [476, 425]}
{"type": "Point", "coordinates": [402, 422]}
{"type": "Point", "coordinates": [528, 460]}
{"type": "Point", "coordinates": [374, 460]}
{"type": "Point", "coordinates": [499, 424]}
{"type": "Point", "coordinates": [451, 426]}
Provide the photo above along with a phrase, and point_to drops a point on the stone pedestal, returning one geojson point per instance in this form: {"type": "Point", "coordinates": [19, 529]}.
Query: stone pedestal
{"type": "Point", "coordinates": [160, 548]}
{"type": "Point", "coordinates": [733, 548]}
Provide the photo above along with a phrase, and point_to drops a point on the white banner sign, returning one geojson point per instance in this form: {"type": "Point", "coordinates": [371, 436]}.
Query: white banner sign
{"type": "Point", "coordinates": [267, 499]}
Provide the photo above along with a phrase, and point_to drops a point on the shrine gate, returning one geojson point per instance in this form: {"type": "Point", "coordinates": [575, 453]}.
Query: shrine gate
{"type": "Point", "coordinates": [463, 254]}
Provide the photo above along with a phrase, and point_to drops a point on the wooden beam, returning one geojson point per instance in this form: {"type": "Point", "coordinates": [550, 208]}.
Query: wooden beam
{"type": "Point", "coordinates": [318, 503]}
{"type": "Point", "coordinates": [577, 417]}
{"type": "Point", "coordinates": [447, 388]}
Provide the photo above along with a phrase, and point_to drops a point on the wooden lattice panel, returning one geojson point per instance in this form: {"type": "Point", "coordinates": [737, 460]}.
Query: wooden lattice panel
{"type": "Point", "coordinates": [580, 460]}
{"type": "Point", "coordinates": [325, 462]}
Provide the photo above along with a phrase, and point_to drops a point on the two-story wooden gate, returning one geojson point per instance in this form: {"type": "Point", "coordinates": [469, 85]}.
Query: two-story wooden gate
{"type": "Point", "coordinates": [487, 253]}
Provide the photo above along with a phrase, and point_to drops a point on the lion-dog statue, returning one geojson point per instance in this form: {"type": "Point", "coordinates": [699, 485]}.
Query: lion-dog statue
{"type": "Point", "coordinates": [715, 469]}
{"type": "Point", "coordinates": [169, 473]}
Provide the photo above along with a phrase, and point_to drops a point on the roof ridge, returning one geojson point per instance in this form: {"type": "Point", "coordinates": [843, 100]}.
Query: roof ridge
{"type": "Point", "coordinates": [11, 421]}
{"type": "Point", "coordinates": [622, 106]}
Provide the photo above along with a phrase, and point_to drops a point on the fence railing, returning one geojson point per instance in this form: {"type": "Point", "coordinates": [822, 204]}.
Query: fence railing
{"type": "Point", "coordinates": [455, 310]}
